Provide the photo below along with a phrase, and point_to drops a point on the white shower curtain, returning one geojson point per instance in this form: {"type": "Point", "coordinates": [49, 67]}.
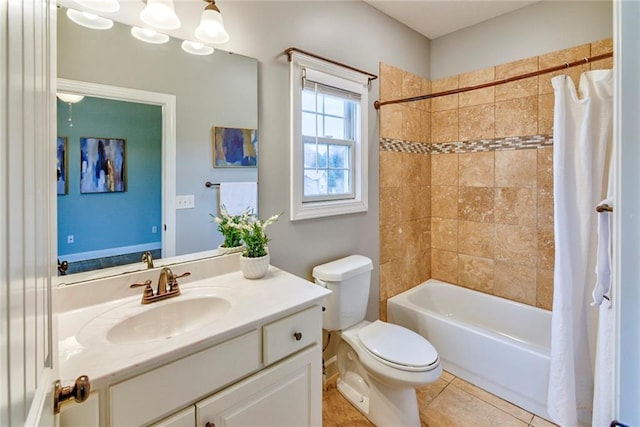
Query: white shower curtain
{"type": "Point", "coordinates": [581, 151]}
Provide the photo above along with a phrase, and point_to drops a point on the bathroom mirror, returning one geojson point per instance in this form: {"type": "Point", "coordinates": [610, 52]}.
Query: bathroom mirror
{"type": "Point", "coordinates": [215, 90]}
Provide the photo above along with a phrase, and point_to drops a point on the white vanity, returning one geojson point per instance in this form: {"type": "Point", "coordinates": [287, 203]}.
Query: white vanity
{"type": "Point", "coordinates": [227, 351]}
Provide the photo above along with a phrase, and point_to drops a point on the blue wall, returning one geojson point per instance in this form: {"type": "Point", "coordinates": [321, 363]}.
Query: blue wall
{"type": "Point", "coordinates": [102, 221]}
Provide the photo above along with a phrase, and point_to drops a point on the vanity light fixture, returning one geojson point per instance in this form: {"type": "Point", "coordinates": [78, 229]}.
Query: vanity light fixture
{"type": "Point", "coordinates": [196, 48]}
{"type": "Point", "coordinates": [149, 35]}
{"type": "Point", "coordinates": [89, 20]}
{"type": "Point", "coordinates": [211, 28]}
{"type": "Point", "coordinates": [100, 6]}
{"type": "Point", "coordinates": [160, 14]}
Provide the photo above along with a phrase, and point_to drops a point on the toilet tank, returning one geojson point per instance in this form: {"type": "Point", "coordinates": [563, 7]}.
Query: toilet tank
{"type": "Point", "coordinates": [349, 280]}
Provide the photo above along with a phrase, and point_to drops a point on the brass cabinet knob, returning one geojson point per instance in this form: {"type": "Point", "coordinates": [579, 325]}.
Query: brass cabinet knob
{"type": "Point", "coordinates": [210, 424]}
{"type": "Point", "coordinates": [79, 392]}
{"type": "Point", "coordinates": [297, 336]}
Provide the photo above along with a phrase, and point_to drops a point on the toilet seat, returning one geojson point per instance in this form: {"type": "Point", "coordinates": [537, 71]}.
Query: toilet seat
{"type": "Point", "coordinates": [398, 347]}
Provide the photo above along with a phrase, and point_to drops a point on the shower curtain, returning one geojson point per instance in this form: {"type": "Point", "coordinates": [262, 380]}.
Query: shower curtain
{"type": "Point", "coordinates": [581, 152]}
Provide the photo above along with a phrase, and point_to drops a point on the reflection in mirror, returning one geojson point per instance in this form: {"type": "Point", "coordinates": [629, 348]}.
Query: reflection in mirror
{"type": "Point", "coordinates": [219, 90]}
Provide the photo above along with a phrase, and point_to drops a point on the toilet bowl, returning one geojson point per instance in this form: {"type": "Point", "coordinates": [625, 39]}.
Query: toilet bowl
{"type": "Point", "coordinates": [379, 363]}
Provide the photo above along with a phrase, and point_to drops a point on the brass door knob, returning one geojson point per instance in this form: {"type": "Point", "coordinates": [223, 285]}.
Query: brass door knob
{"type": "Point", "coordinates": [79, 392]}
{"type": "Point", "coordinates": [297, 336]}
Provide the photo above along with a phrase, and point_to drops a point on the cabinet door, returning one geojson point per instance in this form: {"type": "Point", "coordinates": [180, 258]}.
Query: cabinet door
{"type": "Point", "coordinates": [286, 394]}
{"type": "Point", "coordinates": [184, 418]}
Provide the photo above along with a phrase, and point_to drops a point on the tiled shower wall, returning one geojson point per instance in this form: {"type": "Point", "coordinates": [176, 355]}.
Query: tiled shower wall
{"type": "Point", "coordinates": [466, 193]}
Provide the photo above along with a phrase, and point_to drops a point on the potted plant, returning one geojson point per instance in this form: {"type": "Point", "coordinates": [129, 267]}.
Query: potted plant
{"type": "Point", "coordinates": [232, 237]}
{"type": "Point", "coordinates": [254, 261]}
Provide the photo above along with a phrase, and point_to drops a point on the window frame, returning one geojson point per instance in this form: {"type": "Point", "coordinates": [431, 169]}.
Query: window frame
{"type": "Point", "coordinates": [345, 79]}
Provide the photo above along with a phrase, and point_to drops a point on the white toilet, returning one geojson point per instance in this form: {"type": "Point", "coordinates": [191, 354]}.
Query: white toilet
{"type": "Point", "coordinates": [379, 363]}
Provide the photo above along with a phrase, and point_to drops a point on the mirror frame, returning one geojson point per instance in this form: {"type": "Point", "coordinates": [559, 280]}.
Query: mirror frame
{"type": "Point", "coordinates": [168, 104]}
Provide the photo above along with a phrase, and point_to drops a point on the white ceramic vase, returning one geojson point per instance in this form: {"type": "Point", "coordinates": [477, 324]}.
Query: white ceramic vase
{"type": "Point", "coordinates": [254, 268]}
{"type": "Point", "coordinates": [223, 250]}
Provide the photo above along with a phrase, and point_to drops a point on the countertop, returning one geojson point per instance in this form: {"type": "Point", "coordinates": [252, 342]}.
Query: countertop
{"type": "Point", "coordinates": [84, 349]}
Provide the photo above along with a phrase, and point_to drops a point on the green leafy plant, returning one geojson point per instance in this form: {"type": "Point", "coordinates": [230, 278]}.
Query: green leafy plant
{"type": "Point", "coordinates": [227, 226]}
{"type": "Point", "coordinates": [252, 233]}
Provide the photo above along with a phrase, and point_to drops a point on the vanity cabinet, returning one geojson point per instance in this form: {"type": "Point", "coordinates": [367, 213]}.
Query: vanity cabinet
{"type": "Point", "coordinates": [268, 376]}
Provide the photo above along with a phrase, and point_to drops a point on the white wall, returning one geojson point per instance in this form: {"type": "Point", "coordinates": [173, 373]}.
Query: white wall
{"type": "Point", "coordinates": [541, 28]}
{"type": "Point", "coordinates": [350, 32]}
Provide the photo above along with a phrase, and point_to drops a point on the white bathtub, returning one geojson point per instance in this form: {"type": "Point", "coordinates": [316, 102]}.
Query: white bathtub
{"type": "Point", "coordinates": [499, 345]}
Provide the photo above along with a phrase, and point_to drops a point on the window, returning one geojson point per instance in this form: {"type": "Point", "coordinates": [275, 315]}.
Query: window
{"type": "Point", "coordinates": [329, 139]}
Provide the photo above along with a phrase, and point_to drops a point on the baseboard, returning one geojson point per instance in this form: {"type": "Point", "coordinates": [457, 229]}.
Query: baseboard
{"type": "Point", "coordinates": [82, 256]}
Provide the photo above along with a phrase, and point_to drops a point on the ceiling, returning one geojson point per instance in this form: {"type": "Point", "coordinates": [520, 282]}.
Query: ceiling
{"type": "Point", "coordinates": [436, 18]}
{"type": "Point", "coordinates": [432, 18]}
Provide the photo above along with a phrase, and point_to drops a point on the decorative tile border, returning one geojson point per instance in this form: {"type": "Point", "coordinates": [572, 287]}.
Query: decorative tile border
{"type": "Point", "coordinates": [402, 146]}
{"type": "Point", "coordinates": [474, 146]}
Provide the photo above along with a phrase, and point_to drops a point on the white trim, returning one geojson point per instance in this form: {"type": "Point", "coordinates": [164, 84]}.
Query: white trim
{"type": "Point", "coordinates": [307, 210]}
{"type": "Point", "coordinates": [102, 253]}
{"type": "Point", "coordinates": [168, 104]}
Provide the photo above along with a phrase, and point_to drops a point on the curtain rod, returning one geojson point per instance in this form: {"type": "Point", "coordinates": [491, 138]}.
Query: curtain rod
{"type": "Point", "coordinates": [378, 104]}
{"type": "Point", "coordinates": [290, 51]}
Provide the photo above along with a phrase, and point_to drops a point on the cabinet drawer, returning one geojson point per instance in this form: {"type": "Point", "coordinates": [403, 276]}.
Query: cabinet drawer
{"type": "Point", "coordinates": [286, 336]}
{"type": "Point", "coordinates": [164, 390]}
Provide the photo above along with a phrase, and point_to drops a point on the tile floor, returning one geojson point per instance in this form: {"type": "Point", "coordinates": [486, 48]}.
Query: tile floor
{"type": "Point", "coordinates": [450, 402]}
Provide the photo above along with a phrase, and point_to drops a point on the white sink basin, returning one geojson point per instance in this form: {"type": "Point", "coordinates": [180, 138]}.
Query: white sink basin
{"type": "Point", "coordinates": [168, 320]}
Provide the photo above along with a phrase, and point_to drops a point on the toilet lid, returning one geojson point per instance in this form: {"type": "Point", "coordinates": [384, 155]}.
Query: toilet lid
{"type": "Point", "coordinates": [397, 345]}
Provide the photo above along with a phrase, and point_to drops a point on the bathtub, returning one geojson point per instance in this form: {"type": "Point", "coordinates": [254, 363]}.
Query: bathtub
{"type": "Point", "coordinates": [499, 345]}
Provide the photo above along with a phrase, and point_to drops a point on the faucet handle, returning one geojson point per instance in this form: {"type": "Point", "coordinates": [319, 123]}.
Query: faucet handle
{"type": "Point", "coordinates": [148, 292]}
{"type": "Point", "coordinates": [176, 276]}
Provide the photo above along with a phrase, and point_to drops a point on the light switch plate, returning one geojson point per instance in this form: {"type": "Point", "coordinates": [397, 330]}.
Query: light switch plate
{"type": "Point", "coordinates": [185, 202]}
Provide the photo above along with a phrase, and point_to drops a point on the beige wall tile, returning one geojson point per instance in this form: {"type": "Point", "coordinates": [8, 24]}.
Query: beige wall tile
{"type": "Point", "coordinates": [545, 168]}
{"type": "Point", "coordinates": [520, 88]}
{"type": "Point", "coordinates": [390, 242]}
{"type": "Point", "coordinates": [391, 121]}
{"type": "Point", "coordinates": [425, 127]}
{"type": "Point", "coordinates": [444, 201]}
{"type": "Point", "coordinates": [416, 269]}
{"type": "Point", "coordinates": [410, 204]}
{"type": "Point", "coordinates": [603, 64]}
{"type": "Point", "coordinates": [598, 48]}
{"type": "Point", "coordinates": [415, 236]}
{"type": "Point", "coordinates": [411, 85]}
{"type": "Point", "coordinates": [477, 122]}
{"type": "Point", "coordinates": [444, 126]}
{"type": "Point", "coordinates": [390, 169]}
{"type": "Point", "coordinates": [444, 169]}
{"type": "Point", "coordinates": [412, 169]}
{"type": "Point", "coordinates": [475, 273]}
{"type": "Point", "coordinates": [382, 310]}
{"type": "Point", "coordinates": [389, 205]}
{"type": "Point", "coordinates": [476, 204]}
{"type": "Point", "coordinates": [425, 104]}
{"type": "Point", "coordinates": [545, 208]}
{"type": "Point", "coordinates": [546, 249]}
{"type": "Point", "coordinates": [411, 125]}
{"type": "Point", "coordinates": [393, 278]}
{"type": "Point", "coordinates": [390, 82]}
{"type": "Point", "coordinates": [444, 234]}
{"type": "Point", "coordinates": [425, 162]}
{"type": "Point", "coordinates": [516, 206]}
{"type": "Point", "coordinates": [545, 114]}
{"type": "Point", "coordinates": [515, 282]}
{"type": "Point", "coordinates": [476, 238]}
{"type": "Point", "coordinates": [448, 102]}
{"type": "Point", "coordinates": [544, 289]}
{"type": "Point", "coordinates": [516, 244]}
{"type": "Point", "coordinates": [478, 96]}
{"type": "Point", "coordinates": [476, 169]}
{"type": "Point", "coordinates": [517, 117]}
{"type": "Point", "coordinates": [561, 57]}
{"type": "Point", "coordinates": [444, 265]}
{"type": "Point", "coordinates": [516, 168]}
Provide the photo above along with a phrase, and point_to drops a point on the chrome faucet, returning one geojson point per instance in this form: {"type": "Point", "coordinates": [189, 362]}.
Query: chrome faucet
{"type": "Point", "coordinates": [167, 286]}
{"type": "Point", "coordinates": [147, 258]}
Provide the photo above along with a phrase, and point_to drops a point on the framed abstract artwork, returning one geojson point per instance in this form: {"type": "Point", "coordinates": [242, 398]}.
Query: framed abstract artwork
{"type": "Point", "coordinates": [102, 162]}
{"type": "Point", "coordinates": [62, 183]}
{"type": "Point", "coordinates": [234, 147]}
